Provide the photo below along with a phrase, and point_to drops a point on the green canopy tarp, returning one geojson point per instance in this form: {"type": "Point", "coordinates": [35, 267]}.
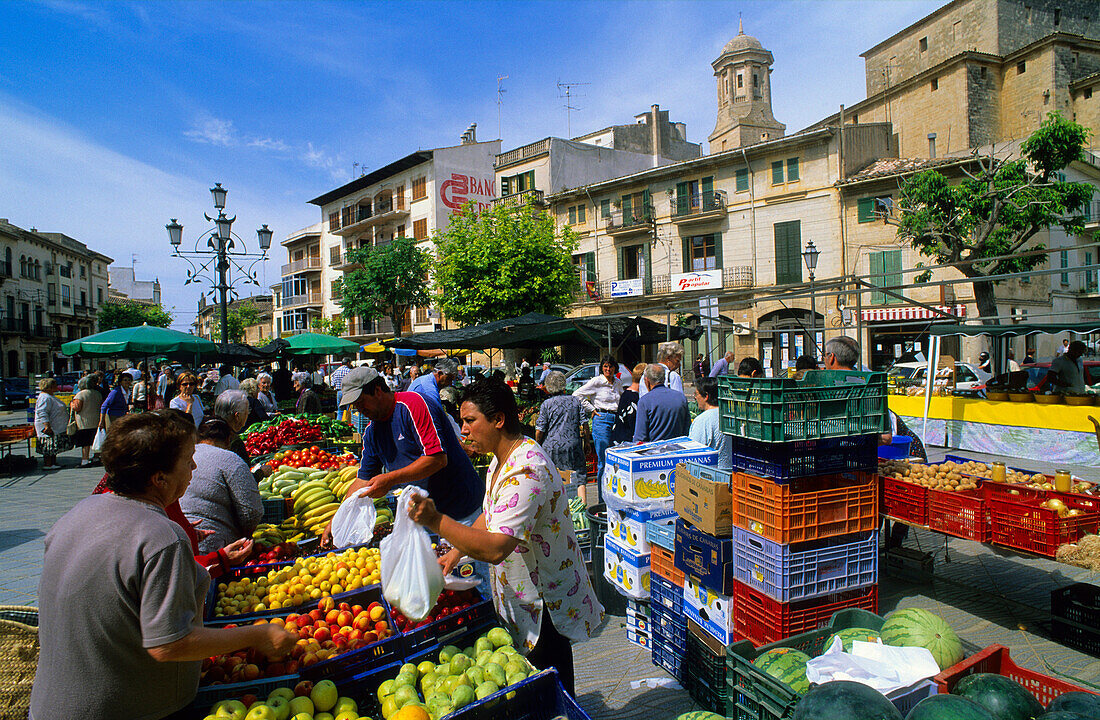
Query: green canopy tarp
{"type": "Point", "coordinates": [319, 344]}
{"type": "Point", "coordinates": [139, 340]}
{"type": "Point", "coordinates": [1016, 330]}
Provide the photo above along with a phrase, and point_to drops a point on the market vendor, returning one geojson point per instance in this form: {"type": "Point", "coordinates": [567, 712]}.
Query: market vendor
{"type": "Point", "coordinates": [541, 590]}
{"type": "Point", "coordinates": [1067, 370]}
{"type": "Point", "coordinates": [120, 600]}
{"type": "Point", "coordinates": [407, 442]}
{"type": "Point", "coordinates": [308, 401]}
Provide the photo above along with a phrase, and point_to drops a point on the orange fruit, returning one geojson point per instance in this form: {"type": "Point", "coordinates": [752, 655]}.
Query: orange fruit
{"type": "Point", "coordinates": [411, 712]}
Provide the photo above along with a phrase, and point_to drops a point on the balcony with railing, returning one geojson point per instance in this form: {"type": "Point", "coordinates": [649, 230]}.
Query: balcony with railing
{"type": "Point", "coordinates": [521, 199]}
{"type": "Point", "coordinates": [522, 153]}
{"type": "Point", "coordinates": [293, 301]}
{"type": "Point", "coordinates": [638, 219]}
{"type": "Point", "coordinates": [24, 327]}
{"type": "Point", "coordinates": [83, 309]}
{"type": "Point", "coordinates": [306, 264]}
{"type": "Point", "coordinates": [357, 219]}
{"type": "Point", "coordinates": [738, 277]}
{"type": "Point", "coordinates": [341, 262]}
{"type": "Point", "coordinates": [698, 208]}
{"type": "Point", "coordinates": [1091, 212]}
{"type": "Point", "coordinates": [5, 268]}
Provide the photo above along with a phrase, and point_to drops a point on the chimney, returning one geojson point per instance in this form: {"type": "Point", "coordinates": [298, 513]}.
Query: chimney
{"type": "Point", "coordinates": [470, 136]}
{"type": "Point", "coordinates": [655, 134]}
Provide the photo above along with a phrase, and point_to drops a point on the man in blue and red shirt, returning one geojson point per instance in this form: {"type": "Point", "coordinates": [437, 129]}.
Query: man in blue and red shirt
{"type": "Point", "coordinates": [409, 441]}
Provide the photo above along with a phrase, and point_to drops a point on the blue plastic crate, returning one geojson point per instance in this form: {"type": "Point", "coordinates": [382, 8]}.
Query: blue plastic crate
{"type": "Point", "coordinates": [667, 658]}
{"type": "Point", "coordinates": [671, 635]}
{"type": "Point", "coordinates": [782, 462]}
{"type": "Point", "coordinates": [662, 532]}
{"type": "Point", "coordinates": [664, 593]}
{"type": "Point", "coordinates": [898, 449]}
{"type": "Point", "coordinates": [807, 569]}
{"type": "Point", "coordinates": [431, 635]}
{"type": "Point", "coordinates": [274, 510]}
{"type": "Point", "coordinates": [207, 696]}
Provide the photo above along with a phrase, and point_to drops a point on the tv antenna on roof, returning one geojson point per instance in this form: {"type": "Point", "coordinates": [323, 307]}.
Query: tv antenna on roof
{"type": "Point", "coordinates": [565, 90]}
{"type": "Point", "coordinates": [500, 100]}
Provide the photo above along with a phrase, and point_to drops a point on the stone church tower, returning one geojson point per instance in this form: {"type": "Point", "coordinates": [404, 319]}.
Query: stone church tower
{"type": "Point", "coordinates": [744, 95]}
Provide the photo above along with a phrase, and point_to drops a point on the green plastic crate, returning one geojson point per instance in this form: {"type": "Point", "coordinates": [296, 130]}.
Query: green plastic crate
{"type": "Point", "coordinates": [822, 404]}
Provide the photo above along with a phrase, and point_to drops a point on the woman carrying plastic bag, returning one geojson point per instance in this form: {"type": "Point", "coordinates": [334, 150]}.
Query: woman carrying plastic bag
{"type": "Point", "coordinates": [411, 576]}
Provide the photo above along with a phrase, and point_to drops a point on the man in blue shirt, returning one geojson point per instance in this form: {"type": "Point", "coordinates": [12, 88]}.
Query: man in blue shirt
{"type": "Point", "coordinates": [662, 412]}
{"type": "Point", "coordinates": [722, 367]}
{"type": "Point", "coordinates": [429, 385]}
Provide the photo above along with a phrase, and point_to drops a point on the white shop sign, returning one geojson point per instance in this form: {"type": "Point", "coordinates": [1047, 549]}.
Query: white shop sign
{"type": "Point", "coordinates": [627, 288]}
{"type": "Point", "coordinates": [698, 280]}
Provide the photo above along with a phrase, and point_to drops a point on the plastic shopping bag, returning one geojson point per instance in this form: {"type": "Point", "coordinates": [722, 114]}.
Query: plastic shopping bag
{"type": "Point", "coordinates": [411, 577]}
{"type": "Point", "coordinates": [97, 443]}
{"type": "Point", "coordinates": [353, 523]}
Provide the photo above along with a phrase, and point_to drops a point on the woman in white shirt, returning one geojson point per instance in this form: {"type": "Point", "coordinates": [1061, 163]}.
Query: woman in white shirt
{"type": "Point", "coordinates": [600, 396]}
{"type": "Point", "coordinates": [51, 418]}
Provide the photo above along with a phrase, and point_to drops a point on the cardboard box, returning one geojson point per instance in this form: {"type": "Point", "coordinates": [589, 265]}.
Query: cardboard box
{"type": "Point", "coordinates": [626, 570]}
{"type": "Point", "coordinates": [708, 558]}
{"type": "Point", "coordinates": [627, 527]}
{"type": "Point", "coordinates": [639, 638]}
{"type": "Point", "coordinates": [646, 473]}
{"type": "Point", "coordinates": [704, 498]}
{"type": "Point", "coordinates": [636, 620]}
{"type": "Point", "coordinates": [709, 611]}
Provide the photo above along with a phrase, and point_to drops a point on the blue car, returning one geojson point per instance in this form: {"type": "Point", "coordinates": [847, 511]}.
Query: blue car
{"type": "Point", "coordinates": [15, 392]}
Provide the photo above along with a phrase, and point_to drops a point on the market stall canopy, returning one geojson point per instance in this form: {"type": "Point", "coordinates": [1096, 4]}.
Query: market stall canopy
{"type": "Point", "coordinates": [1017, 330]}
{"type": "Point", "coordinates": [319, 344]}
{"type": "Point", "coordinates": [139, 340]}
{"type": "Point", "coordinates": [374, 347]}
{"type": "Point", "coordinates": [538, 330]}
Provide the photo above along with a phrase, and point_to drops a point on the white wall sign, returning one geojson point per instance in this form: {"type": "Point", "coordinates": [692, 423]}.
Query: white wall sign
{"type": "Point", "coordinates": [698, 280]}
{"type": "Point", "coordinates": [627, 288]}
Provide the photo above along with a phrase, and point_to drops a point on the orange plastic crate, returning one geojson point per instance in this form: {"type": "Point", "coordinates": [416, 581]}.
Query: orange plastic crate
{"type": "Point", "coordinates": [806, 509]}
{"type": "Point", "coordinates": [661, 562]}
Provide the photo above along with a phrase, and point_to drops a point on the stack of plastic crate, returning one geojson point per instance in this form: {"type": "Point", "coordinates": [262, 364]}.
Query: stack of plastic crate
{"type": "Point", "coordinates": [668, 628]}
{"type": "Point", "coordinates": [805, 498]}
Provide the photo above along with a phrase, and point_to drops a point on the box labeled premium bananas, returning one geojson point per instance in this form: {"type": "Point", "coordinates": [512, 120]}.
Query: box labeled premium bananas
{"type": "Point", "coordinates": [627, 527]}
{"type": "Point", "coordinates": [644, 474]}
{"type": "Point", "coordinates": [712, 611]}
{"type": "Point", "coordinates": [626, 570]}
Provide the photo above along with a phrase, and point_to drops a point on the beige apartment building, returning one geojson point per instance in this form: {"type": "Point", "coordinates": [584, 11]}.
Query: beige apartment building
{"type": "Point", "coordinates": [410, 197]}
{"type": "Point", "coordinates": [208, 322]}
{"type": "Point", "coordinates": [52, 287]}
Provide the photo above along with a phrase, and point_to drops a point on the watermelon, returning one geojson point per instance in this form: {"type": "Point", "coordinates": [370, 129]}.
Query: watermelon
{"type": "Point", "coordinates": [843, 699]}
{"type": "Point", "coordinates": [1063, 715]}
{"type": "Point", "coordinates": [916, 627]}
{"type": "Point", "coordinates": [1005, 699]}
{"type": "Point", "coordinates": [847, 635]}
{"type": "Point", "coordinates": [1083, 703]}
{"type": "Point", "coordinates": [786, 665]}
{"type": "Point", "coordinates": [700, 715]}
{"type": "Point", "coordinates": [948, 707]}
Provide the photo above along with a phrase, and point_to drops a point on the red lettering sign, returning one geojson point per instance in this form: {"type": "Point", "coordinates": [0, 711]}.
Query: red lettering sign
{"type": "Point", "coordinates": [455, 192]}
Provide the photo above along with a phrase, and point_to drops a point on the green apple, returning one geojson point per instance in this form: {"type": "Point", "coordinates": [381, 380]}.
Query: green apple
{"type": "Point", "coordinates": [447, 653]}
{"type": "Point", "coordinates": [233, 709]}
{"type": "Point", "coordinates": [408, 668]}
{"type": "Point", "coordinates": [260, 711]}
{"type": "Point", "coordinates": [324, 695]}
{"type": "Point", "coordinates": [303, 716]}
{"type": "Point", "coordinates": [343, 704]}
{"type": "Point", "coordinates": [323, 716]}
{"type": "Point", "coordinates": [499, 637]}
{"type": "Point", "coordinates": [486, 689]}
{"type": "Point", "coordinates": [280, 705]}
{"type": "Point", "coordinates": [283, 692]}
{"type": "Point", "coordinates": [424, 668]}
{"type": "Point", "coordinates": [463, 696]}
{"type": "Point", "coordinates": [385, 689]}
{"type": "Point", "coordinates": [347, 715]}
{"type": "Point", "coordinates": [300, 705]}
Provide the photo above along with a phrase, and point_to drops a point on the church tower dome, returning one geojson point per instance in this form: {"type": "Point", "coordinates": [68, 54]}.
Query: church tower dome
{"type": "Point", "coordinates": [743, 71]}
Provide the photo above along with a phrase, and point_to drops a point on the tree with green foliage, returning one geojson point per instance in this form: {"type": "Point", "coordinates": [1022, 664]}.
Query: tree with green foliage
{"type": "Point", "coordinates": [335, 326]}
{"type": "Point", "coordinates": [243, 316]}
{"type": "Point", "coordinates": [129, 313]}
{"type": "Point", "coordinates": [980, 225]}
{"type": "Point", "coordinates": [392, 279]}
{"type": "Point", "coordinates": [503, 262]}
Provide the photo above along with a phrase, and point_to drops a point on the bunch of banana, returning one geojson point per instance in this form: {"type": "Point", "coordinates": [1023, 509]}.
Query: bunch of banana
{"type": "Point", "coordinates": [314, 505]}
{"type": "Point", "coordinates": [342, 480]}
{"type": "Point", "coordinates": [270, 534]}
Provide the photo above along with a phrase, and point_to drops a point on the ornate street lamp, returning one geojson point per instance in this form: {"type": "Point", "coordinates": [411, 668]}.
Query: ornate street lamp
{"type": "Point", "coordinates": [223, 251]}
{"type": "Point", "coordinates": [809, 256]}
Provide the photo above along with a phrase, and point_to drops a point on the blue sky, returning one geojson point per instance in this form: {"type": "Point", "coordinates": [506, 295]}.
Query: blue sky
{"type": "Point", "coordinates": [116, 116]}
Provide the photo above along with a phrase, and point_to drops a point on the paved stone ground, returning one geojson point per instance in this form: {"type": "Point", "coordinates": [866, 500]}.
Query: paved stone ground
{"type": "Point", "coordinates": [988, 596]}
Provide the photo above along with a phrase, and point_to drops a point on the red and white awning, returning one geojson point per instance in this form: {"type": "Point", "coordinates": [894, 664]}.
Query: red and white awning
{"type": "Point", "coordinates": [896, 314]}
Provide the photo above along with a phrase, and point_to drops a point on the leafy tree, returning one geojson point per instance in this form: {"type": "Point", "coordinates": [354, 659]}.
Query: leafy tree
{"type": "Point", "coordinates": [245, 315]}
{"type": "Point", "coordinates": [997, 209]}
{"type": "Point", "coordinates": [503, 262]}
{"type": "Point", "coordinates": [392, 279]}
{"type": "Point", "coordinates": [129, 313]}
{"type": "Point", "coordinates": [336, 325]}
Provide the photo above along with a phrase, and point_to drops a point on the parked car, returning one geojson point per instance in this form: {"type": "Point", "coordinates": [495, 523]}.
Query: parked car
{"type": "Point", "coordinates": [66, 382]}
{"type": "Point", "coordinates": [580, 375]}
{"type": "Point", "coordinates": [15, 392]}
{"type": "Point", "coordinates": [968, 377]}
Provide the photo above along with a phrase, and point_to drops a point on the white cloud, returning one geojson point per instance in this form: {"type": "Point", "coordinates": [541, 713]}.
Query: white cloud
{"type": "Point", "coordinates": [273, 144]}
{"type": "Point", "coordinates": [213, 131]}
{"type": "Point", "coordinates": [318, 158]}
{"type": "Point", "coordinates": [58, 180]}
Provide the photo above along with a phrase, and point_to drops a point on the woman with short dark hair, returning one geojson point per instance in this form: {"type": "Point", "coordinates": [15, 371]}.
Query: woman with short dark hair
{"type": "Point", "coordinates": [541, 591]}
{"type": "Point", "coordinates": [600, 396]}
{"type": "Point", "coordinates": [117, 402]}
{"type": "Point", "coordinates": [559, 428]}
{"type": "Point", "coordinates": [120, 599]}
{"type": "Point", "coordinates": [308, 401]}
{"type": "Point", "coordinates": [188, 399]}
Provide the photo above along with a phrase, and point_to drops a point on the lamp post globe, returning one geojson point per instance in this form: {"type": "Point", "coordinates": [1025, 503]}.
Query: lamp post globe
{"type": "Point", "coordinates": [218, 193]}
{"type": "Point", "coordinates": [810, 256]}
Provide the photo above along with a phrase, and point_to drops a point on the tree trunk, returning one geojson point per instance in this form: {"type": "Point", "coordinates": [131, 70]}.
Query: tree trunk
{"type": "Point", "coordinates": [986, 301]}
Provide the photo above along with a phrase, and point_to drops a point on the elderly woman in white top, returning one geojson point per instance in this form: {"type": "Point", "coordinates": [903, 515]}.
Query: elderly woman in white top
{"type": "Point", "coordinates": [51, 418]}
{"type": "Point", "coordinates": [265, 395]}
{"type": "Point", "coordinates": [600, 396]}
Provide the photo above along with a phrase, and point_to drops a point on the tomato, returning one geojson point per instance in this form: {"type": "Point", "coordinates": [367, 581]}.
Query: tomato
{"type": "Point", "coordinates": [315, 449]}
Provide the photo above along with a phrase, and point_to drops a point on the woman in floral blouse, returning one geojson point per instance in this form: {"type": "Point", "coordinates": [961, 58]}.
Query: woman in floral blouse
{"type": "Point", "coordinates": [525, 532]}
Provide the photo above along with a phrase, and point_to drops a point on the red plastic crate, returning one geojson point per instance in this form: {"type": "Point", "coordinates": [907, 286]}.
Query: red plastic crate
{"type": "Point", "coordinates": [1018, 522]}
{"type": "Point", "coordinates": [904, 501]}
{"type": "Point", "coordinates": [995, 659]}
{"type": "Point", "coordinates": [961, 514]}
{"type": "Point", "coordinates": [661, 562]}
{"type": "Point", "coordinates": [762, 620]}
{"type": "Point", "coordinates": [806, 509]}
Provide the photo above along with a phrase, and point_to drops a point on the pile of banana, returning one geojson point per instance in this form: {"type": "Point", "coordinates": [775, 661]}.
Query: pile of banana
{"type": "Point", "coordinates": [316, 499]}
{"type": "Point", "coordinates": [288, 530]}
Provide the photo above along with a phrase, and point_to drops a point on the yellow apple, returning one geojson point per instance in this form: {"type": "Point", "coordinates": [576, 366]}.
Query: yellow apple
{"type": "Point", "coordinates": [301, 705]}
{"type": "Point", "coordinates": [345, 703]}
{"type": "Point", "coordinates": [260, 711]}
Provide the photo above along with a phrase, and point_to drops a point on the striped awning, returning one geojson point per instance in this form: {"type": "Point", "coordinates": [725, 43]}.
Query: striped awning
{"type": "Point", "coordinates": [896, 314]}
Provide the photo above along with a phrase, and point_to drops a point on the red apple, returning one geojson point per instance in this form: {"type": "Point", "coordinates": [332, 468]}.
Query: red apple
{"type": "Point", "coordinates": [345, 618]}
{"type": "Point", "coordinates": [362, 622]}
{"type": "Point", "coordinates": [321, 634]}
{"type": "Point", "coordinates": [331, 616]}
{"type": "Point", "coordinates": [316, 615]}
{"type": "Point", "coordinates": [370, 637]}
{"type": "Point", "coordinates": [343, 606]}
{"type": "Point", "coordinates": [325, 604]}
{"type": "Point", "coordinates": [356, 609]}
{"type": "Point", "coordinates": [248, 699]}
{"type": "Point", "coordinates": [303, 689]}
{"type": "Point", "coordinates": [380, 626]}
{"type": "Point", "coordinates": [355, 634]}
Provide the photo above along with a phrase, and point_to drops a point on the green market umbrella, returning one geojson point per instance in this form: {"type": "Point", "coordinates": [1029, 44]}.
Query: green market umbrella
{"type": "Point", "coordinates": [320, 344]}
{"type": "Point", "coordinates": [139, 340]}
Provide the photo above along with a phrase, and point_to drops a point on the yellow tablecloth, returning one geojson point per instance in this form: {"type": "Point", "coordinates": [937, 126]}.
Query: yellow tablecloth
{"type": "Point", "coordinates": [1032, 415]}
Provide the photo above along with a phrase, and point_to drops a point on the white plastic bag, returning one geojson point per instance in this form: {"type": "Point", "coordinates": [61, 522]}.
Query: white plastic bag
{"type": "Point", "coordinates": [97, 443]}
{"type": "Point", "coordinates": [353, 523]}
{"type": "Point", "coordinates": [411, 576]}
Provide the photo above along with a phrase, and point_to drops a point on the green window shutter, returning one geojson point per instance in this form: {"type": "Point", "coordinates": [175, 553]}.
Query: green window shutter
{"type": "Point", "coordinates": [891, 268]}
{"type": "Point", "coordinates": [647, 206]}
{"type": "Point", "coordinates": [622, 263]}
{"type": "Point", "coordinates": [742, 180]}
{"type": "Point", "coordinates": [605, 208]}
{"type": "Point", "coordinates": [505, 185]}
{"type": "Point", "coordinates": [590, 264]}
{"type": "Point", "coordinates": [687, 253]}
{"type": "Point", "coordinates": [777, 172]}
{"type": "Point", "coordinates": [708, 184]}
{"type": "Point", "coordinates": [572, 214]}
{"type": "Point", "coordinates": [582, 213]}
{"type": "Point", "coordinates": [626, 210]}
{"type": "Point", "coordinates": [866, 209]}
{"type": "Point", "coordinates": [706, 202]}
{"type": "Point", "coordinates": [877, 276]}
{"type": "Point", "coordinates": [683, 201]}
{"type": "Point", "coordinates": [718, 251]}
{"type": "Point", "coordinates": [788, 260]}
{"type": "Point", "coordinates": [648, 274]}
{"type": "Point", "coordinates": [1064, 263]}
{"type": "Point", "coordinates": [792, 169]}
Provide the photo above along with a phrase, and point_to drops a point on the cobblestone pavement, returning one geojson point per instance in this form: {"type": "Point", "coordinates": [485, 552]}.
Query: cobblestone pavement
{"type": "Point", "coordinates": [988, 595]}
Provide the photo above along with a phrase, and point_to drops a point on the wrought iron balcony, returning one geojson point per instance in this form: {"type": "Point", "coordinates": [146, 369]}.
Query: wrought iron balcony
{"type": "Point", "coordinates": [291, 301]}
{"type": "Point", "coordinates": [700, 207]}
{"type": "Point", "coordinates": [738, 277]}
{"type": "Point", "coordinates": [520, 199]}
{"type": "Point", "coordinates": [639, 219]}
{"type": "Point", "coordinates": [311, 262]}
{"type": "Point", "coordinates": [364, 216]}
